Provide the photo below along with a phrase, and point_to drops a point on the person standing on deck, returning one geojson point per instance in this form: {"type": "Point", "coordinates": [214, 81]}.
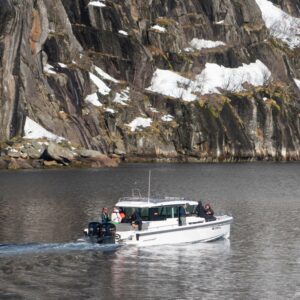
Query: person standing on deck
{"type": "Point", "coordinates": [181, 215]}
{"type": "Point", "coordinates": [200, 210]}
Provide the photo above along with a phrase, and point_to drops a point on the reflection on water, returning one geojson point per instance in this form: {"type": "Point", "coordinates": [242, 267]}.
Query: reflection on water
{"type": "Point", "coordinates": [43, 213]}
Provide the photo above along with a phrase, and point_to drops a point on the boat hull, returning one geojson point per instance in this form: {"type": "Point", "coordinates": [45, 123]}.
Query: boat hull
{"type": "Point", "coordinates": [204, 232]}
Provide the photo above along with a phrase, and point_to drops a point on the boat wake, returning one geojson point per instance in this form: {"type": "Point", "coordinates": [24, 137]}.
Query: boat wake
{"type": "Point", "coordinates": [32, 248]}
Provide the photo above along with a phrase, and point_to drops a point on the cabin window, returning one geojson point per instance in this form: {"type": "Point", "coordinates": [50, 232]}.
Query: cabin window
{"type": "Point", "coordinates": [144, 213]}
{"type": "Point", "coordinates": [169, 212]}
{"type": "Point", "coordinates": [190, 209]}
{"type": "Point", "coordinates": [162, 213]}
{"type": "Point", "coordinates": [128, 212]}
{"type": "Point", "coordinates": [157, 214]}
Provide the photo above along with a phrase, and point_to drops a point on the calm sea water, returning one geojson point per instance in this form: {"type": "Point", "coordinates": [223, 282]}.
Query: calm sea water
{"type": "Point", "coordinates": [42, 214]}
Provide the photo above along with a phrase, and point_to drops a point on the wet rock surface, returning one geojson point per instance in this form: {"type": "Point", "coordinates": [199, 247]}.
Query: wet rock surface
{"type": "Point", "coordinates": [50, 51]}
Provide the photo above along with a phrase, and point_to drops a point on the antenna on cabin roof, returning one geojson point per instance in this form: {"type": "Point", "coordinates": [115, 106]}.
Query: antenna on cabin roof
{"type": "Point", "coordinates": [149, 186]}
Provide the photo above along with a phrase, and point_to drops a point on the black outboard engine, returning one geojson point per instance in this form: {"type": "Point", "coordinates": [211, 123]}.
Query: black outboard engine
{"type": "Point", "coordinates": [101, 233]}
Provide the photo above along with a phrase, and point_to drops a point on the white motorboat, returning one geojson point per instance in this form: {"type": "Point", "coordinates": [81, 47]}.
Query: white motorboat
{"type": "Point", "coordinates": [159, 222]}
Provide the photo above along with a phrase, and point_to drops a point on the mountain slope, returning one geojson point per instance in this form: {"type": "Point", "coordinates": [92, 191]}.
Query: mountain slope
{"type": "Point", "coordinates": [189, 79]}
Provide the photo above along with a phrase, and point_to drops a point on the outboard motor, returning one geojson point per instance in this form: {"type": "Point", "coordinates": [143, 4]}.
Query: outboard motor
{"type": "Point", "coordinates": [101, 233]}
{"type": "Point", "coordinates": [94, 229]}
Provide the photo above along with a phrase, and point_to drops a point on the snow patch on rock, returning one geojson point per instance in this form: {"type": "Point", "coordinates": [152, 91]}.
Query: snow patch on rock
{"type": "Point", "coordinates": [139, 123]}
{"type": "Point", "coordinates": [122, 97]}
{"type": "Point", "coordinates": [49, 69]}
{"type": "Point", "coordinates": [159, 28]}
{"type": "Point", "coordinates": [199, 44]}
{"type": "Point", "coordinates": [93, 99]}
{"type": "Point", "coordinates": [103, 89]}
{"type": "Point", "coordinates": [33, 130]}
{"type": "Point", "coordinates": [167, 118]}
{"type": "Point", "coordinates": [297, 81]}
{"type": "Point", "coordinates": [97, 4]}
{"type": "Point", "coordinates": [104, 75]}
{"type": "Point", "coordinates": [62, 65]}
{"type": "Point", "coordinates": [281, 25]}
{"type": "Point", "coordinates": [110, 110]}
{"type": "Point", "coordinates": [171, 84]}
{"type": "Point", "coordinates": [123, 32]}
{"type": "Point", "coordinates": [213, 78]}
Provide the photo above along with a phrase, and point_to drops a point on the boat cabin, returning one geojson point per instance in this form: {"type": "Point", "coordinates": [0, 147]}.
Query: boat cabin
{"type": "Point", "coordinates": [154, 209]}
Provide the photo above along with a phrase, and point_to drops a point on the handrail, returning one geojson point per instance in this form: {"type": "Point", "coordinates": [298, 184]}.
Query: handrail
{"type": "Point", "coordinates": [153, 200]}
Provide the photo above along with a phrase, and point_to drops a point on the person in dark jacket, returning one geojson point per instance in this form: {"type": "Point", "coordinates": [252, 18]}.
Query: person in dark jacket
{"type": "Point", "coordinates": [200, 210]}
{"type": "Point", "coordinates": [136, 220]}
{"type": "Point", "coordinates": [209, 213]}
{"type": "Point", "coordinates": [181, 215]}
{"type": "Point", "coordinates": [104, 216]}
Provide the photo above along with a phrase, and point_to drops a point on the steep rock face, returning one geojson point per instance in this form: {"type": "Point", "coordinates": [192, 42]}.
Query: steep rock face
{"type": "Point", "coordinates": [50, 54]}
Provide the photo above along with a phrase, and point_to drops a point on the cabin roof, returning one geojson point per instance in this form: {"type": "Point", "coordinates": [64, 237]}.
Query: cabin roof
{"type": "Point", "coordinates": [153, 202]}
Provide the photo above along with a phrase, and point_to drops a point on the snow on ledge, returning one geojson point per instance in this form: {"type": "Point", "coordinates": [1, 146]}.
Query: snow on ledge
{"type": "Point", "coordinates": [297, 81]}
{"type": "Point", "coordinates": [97, 4]}
{"type": "Point", "coordinates": [103, 89]}
{"type": "Point", "coordinates": [167, 118]}
{"type": "Point", "coordinates": [199, 44]}
{"type": "Point", "coordinates": [122, 97]}
{"type": "Point", "coordinates": [110, 110]}
{"type": "Point", "coordinates": [281, 25]}
{"type": "Point", "coordinates": [123, 32]}
{"type": "Point", "coordinates": [171, 84]}
{"type": "Point", "coordinates": [213, 78]}
{"type": "Point", "coordinates": [33, 130]}
{"type": "Point", "coordinates": [62, 65]}
{"type": "Point", "coordinates": [139, 123]}
{"type": "Point", "coordinates": [93, 99]}
{"type": "Point", "coordinates": [49, 69]}
{"type": "Point", "coordinates": [159, 28]}
{"type": "Point", "coordinates": [104, 75]}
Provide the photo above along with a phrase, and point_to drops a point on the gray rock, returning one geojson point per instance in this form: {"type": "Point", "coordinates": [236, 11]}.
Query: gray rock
{"type": "Point", "coordinates": [13, 165]}
{"type": "Point", "coordinates": [34, 153]}
{"type": "Point", "coordinates": [14, 153]}
{"type": "Point", "coordinates": [37, 163]}
{"type": "Point", "coordinates": [86, 153]}
{"type": "Point", "coordinates": [3, 164]}
{"type": "Point", "coordinates": [19, 163]}
{"type": "Point", "coordinates": [59, 153]}
{"type": "Point", "coordinates": [3, 152]}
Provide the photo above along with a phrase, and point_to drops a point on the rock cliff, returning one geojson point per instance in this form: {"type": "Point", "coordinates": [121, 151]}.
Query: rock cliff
{"type": "Point", "coordinates": [154, 79]}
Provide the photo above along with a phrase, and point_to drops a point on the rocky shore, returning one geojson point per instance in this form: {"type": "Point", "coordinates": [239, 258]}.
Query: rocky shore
{"type": "Point", "coordinates": [43, 154]}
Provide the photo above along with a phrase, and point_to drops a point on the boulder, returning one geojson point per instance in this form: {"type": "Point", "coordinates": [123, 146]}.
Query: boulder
{"type": "Point", "coordinates": [19, 163]}
{"type": "Point", "coordinates": [23, 164]}
{"type": "Point", "coordinates": [59, 153]}
{"type": "Point", "coordinates": [24, 155]}
{"type": "Point", "coordinates": [98, 159]}
{"type": "Point", "coordinates": [13, 165]}
{"type": "Point", "coordinates": [14, 153]}
{"type": "Point", "coordinates": [105, 161]}
{"type": "Point", "coordinates": [34, 153]}
{"type": "Point", "coordinates": [3, 164]}
{"type": "Point", "coordinates": [37, 163]}
{"type": "Point", "coordinates": [86, 153]}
